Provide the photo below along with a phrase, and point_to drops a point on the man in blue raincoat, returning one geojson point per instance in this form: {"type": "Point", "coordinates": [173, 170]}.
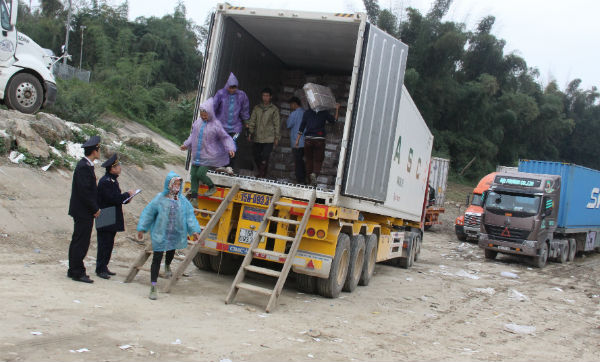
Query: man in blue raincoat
{"type": "Point", "coordinates": [232, 108]}
{"type": "Point", "coordinates": [170, 219]}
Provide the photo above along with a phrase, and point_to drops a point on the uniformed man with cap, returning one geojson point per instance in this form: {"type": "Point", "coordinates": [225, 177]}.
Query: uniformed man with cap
{"type": "Point", "coordinates": [83, 207]}
{"type": "Point", "coordinates": [109, 194]}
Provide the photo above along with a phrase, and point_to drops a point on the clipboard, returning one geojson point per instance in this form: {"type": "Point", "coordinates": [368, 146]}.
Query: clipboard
{"type": "Point", "coordinates": [131, 197]}
{"type": "Point", "coordinates": [108, 217]}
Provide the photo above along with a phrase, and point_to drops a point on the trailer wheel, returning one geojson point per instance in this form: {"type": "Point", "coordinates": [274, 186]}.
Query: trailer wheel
{"type": "Point", "coordinates": [407, 262]}
{"type": "Point", "coordinates": [490, 254]}
{"type": "Point", "coordinates": [202, 261]}
{"type": "Point", "coordinates": [540, 260]}
{"type": "Point", "coordinates": [418, 240]}
{"type": "Point", "coordinates": [306, 283]}
{"type": "Point", "coordinates": [355, 266]}
{"type": "Point", "coordinates": [370, 260]}
{"type": "Point", "coordinates": [572, 249]}
{"type": "Point", "coordinates": [332, 286]}
{"type": "Point", "coordinates": [564, 253]}
{"type": "Point", "coordinates": [224, 263]}
{"type": "Point", "coordinates": [24, 93]}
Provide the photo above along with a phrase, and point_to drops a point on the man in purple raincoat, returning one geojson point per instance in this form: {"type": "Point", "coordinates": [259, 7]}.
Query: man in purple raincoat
{"type": "Point", "coordinates": [211, 146]}
{"type": "Point", "coordinates": [232, 108]}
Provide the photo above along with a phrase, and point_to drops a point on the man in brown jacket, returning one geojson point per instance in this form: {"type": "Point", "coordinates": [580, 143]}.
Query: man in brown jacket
{"type": "Point", "coordinates": [264, 131]}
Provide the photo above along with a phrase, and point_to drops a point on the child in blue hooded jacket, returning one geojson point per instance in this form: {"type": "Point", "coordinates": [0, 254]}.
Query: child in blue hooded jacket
{"type": "Point", "coordinates": [170, 219]}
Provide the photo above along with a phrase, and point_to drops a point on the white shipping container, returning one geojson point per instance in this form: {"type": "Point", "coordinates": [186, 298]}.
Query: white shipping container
{"type": "Point", "coordinates": [438, 178]}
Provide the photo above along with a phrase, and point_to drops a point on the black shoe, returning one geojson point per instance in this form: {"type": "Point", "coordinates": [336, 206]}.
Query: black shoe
{"type": "Point", "coordinates": [83, 279]}
{"type": "Point", "coordinates": [69, 275]}
{"type": "Point", "coordinates": [110, 273]}
{"type": "Point", "coordinates": [103, 275]}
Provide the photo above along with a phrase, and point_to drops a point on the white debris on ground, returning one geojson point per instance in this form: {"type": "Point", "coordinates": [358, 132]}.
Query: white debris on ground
{"type": "Point", "coordinates": [488, 291]}
{"type": "Point", "coordinates": [16, 157]}
{"type": "Point", "coordinates": [4, 134]}
{"type": "Point", "coordinates": [73, 126]}
{"type": "Point", "coordinates": [463, 273]}
{"type": "Point", "coordinates": [74, 150]}
{"type": "Point", "coordinates": [45, 168]}
{"type": "Point", "coordinates": [55, 151]}
{"type": "Point", "coordinates": [519, 329]}
{"type": "Point", "coordinates": [509, 275]}
{"type": "Point", "coordinates": [515, 294]}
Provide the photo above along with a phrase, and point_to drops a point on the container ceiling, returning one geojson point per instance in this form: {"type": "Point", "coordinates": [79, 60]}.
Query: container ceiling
{"type": "Point", "coordinates": [304, 43]}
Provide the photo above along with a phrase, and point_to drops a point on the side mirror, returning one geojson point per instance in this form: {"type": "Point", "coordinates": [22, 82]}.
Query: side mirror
{"type": "Point", "coordinates": [468, 199]}
{"type": "Point", "coordinates": [14, 6]}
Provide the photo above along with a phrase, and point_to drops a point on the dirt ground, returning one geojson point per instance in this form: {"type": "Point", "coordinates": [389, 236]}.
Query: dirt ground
{"type": "Point", "coordinates": [452, 305]}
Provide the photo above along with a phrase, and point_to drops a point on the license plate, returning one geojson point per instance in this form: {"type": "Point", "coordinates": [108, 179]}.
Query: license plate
{"type": "Point", "coordinates": [503, 248]}
{"type": "Point", "coordinates": [246, 236]}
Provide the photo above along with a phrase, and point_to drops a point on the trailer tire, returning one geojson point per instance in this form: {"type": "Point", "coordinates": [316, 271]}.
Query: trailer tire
{"type": "Point", "coordinates": [355, 266]}
{"type": "Point", "coordinates": [202, 261]}
{"type": "Point", "coordinates": [332, 286]}
{"type": "Point", "coordinates": [572, 249]}
{"type": "Point", "coordinates": [370, 260]}
{"type": "Point", "coordinates": [540, 260]}
{"type": "Point", "coordinates": [306, 283]}
{"type": "Point", "coordinates": [224, 263]}
{"type": "Point", "coordinates": [418, 241]}
{"type": "Point", "coordinates": [407, 262]}
{"type": "Point", "coordinates": [490, 254]}
{"type": "Point", "coordinates": [563, 257]}
{"type": "Point", "coordinates": [24, 93]}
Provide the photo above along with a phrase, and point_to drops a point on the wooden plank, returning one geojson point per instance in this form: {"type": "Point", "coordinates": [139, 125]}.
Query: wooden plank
{"type": "Point", "coordinates": [203, 235]}
{"type": "Point", "coordinates": [287, 204]}
{"type": "Point", "coordinates": [286, 221]}
{"type": "Point", "coordinates": [276, 236]}
{"type": "Point", "coordinates": [269, 252]}
{"type": "Point", "coordinates": [202, 211]}
{"type": "Point", "coordinates": [291, 254]}
{"type": "Point", "coordinates": [248, 258]}
{"type": "Point", "coordinates": [141, 259]}
{"type": "Point", "coordinates": [254, 288]}
{"type": "Point", "coordinates": [264, 271]}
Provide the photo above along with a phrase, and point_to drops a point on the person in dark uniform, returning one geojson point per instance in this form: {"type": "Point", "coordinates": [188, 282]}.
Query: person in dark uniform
{"type": "Point", "coordinates": [83, 207]}
{"type": "Point", "coordinates": [109, 194]}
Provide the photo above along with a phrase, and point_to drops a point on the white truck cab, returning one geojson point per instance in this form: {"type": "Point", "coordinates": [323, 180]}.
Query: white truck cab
{"type": "Point", "coordinates": [26, 79]}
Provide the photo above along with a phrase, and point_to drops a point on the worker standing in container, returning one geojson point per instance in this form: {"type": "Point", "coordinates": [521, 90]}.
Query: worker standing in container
{"type": "Point", "coordinates": [264, 131]}
{"type": "Point", "coordinates": [293, 123]}
{"type": "Point", "coordinates": [232, 108]}
{"type": "Point", "coordinates": [313, 129]}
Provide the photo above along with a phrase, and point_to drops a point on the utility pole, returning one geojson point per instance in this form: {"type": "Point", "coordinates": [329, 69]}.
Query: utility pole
{"type": "Point", "coordinates": [67, 36]}
{"type": "Point", "coordinates": [81, 52]}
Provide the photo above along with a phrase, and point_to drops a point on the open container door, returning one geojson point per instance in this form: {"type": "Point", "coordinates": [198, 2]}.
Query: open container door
{"type": "Point", "coordinates": [371, 145]}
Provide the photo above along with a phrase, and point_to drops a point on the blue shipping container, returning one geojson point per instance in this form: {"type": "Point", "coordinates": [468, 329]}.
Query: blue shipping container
{"type": "Point", "coordinates": [579, 206]}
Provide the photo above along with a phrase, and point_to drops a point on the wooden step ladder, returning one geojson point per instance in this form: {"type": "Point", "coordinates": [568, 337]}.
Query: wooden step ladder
{"type": "Point", "coordinates": [238, 282]}
{"type": "Point", "coordinates": [189, 256]}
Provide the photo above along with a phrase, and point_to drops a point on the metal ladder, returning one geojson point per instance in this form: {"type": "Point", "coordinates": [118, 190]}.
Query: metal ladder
{"type": "Point", "coordinates": [238, 282]}
{"type": "Point", "coordinates": [196, 245]}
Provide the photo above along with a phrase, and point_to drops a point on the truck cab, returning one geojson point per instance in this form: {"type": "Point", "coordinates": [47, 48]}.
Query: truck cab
{"type": "Point", "coordinates": [520, 214]}
{"type": "Point", "coordinates": [26, 80]}
{"type": "Point", "coordinates": [467, 225]}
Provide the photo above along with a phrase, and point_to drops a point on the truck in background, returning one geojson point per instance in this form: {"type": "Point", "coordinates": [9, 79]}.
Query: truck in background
{"type": "Point", "coordinates": [467, 226]}
{"type": "Point", "coordinates": [376, 208]}
{"type": "Point", "coordinates": [26, 79]}
{"type": "Point", "coordinates": [546, 210]}
{"type": "Point", "coordinates": [438, 181]}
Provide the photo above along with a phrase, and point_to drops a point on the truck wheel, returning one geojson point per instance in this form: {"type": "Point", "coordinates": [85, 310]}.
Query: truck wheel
{"type": "Point", "coordinates": [572, 249]}
{"type": "Point", "coordinates": [24, 93]}
{"type": "Point", "coordinates": [202, 261]}
{"type": "Point", "coordinates": [306, 283]}
{"type": "Point", "coordinates": [407, 262]}
{"type": "Point", "coordinates": [332, 286]}
{"type": "Point", "coordinates": [540, 260]}
{"type": "Point", "coordinates": [490, 254]}
{"type": "Point", "coordinates": [355, 266]}
{"type": "Point", "coordinates": [370, 260]}
{"type": "Point", "coordinates": [564, 253]}
{"type": "Point", "coordinates": [224, 263]}
{"type": "Point", "coordinates": [418, 241]}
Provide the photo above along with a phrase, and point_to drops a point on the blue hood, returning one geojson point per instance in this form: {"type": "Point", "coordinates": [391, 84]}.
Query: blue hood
{"type": "Point", "coordinates": [171, 175]}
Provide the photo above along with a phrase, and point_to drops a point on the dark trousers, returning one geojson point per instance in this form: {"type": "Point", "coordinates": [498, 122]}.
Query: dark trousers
{"type": "Point", "coordinates": [156, 259]}
{"type": "Point", "coordinates": [80, 243]}
{"type": "Point", "coordinates": [262, 151]}
{"type": "Point", "coordinates": [232, 159]}
{"type": "Point", "coordinates": [299, 163]}
{"type": "Point", "coordinates": [106, 242]}
{"type": "Point", "coordinates": [314, 152]}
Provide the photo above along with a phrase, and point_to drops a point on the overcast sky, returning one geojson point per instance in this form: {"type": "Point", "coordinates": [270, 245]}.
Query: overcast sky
{"type": "Point", "coordinates": [558, 37]}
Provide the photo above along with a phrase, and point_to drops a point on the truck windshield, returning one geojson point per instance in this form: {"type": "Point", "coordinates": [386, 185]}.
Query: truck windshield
{"type": "Point", "coordinates": [477, 200]}
{"type": "Point", "coordinates": [522, 204]}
